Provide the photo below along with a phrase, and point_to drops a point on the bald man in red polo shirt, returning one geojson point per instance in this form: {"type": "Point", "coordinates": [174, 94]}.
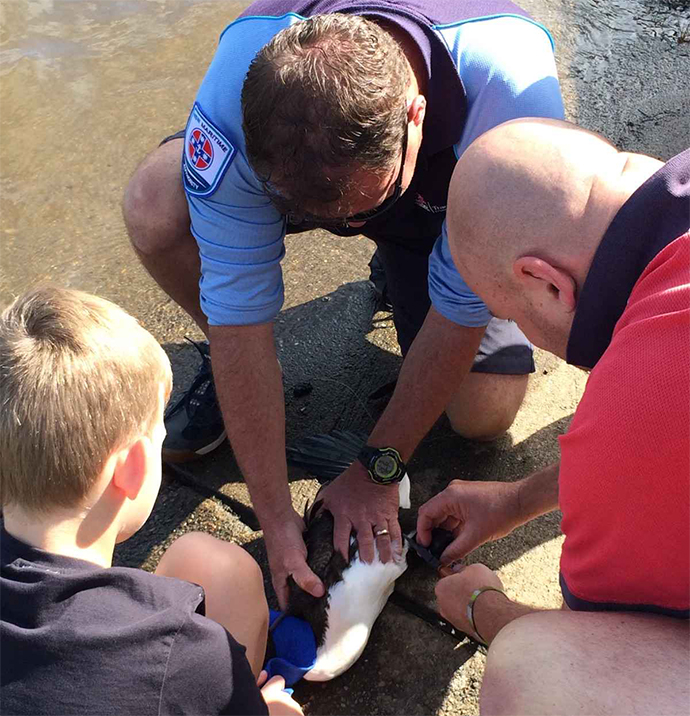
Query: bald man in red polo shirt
{"type": "Point", "coordinates": [588, 250]}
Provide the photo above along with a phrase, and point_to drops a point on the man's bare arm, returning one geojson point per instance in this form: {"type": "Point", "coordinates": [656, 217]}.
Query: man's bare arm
{"type": "Point", "coordinates": [250, 390]}
{"type": "Point", "coordinates": [490, 611]}
{"type": "Point", "coordinates": [537, 494]}
{"type": "Point", "coordinates": [438, 361]}
{"type": "Point", "coordinates": [440, 357]}
{"type": "Point", "coordinates": [477, 512]}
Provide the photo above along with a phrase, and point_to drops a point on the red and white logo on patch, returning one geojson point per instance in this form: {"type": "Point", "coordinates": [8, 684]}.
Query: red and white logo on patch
{"type": "Point", "coordinates": [200, 150]}
{"type": "Point", "coordinates": [207, 154]}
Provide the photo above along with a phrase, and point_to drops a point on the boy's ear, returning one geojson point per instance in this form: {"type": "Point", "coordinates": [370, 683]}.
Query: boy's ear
{"type": "Point", "coordinates": [131, 467]}
{"type": "Point", "coordinates": [535, 274]}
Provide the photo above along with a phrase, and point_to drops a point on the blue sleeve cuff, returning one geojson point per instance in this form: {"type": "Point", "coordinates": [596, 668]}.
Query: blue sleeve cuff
{"type": "Point", "coordinates": [241, 245]}
{"type": "Point", "coordinates": [449, 293]}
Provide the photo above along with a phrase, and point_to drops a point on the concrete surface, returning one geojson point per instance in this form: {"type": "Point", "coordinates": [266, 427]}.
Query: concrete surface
{"type": "Point", "coordinates": [89, 87]}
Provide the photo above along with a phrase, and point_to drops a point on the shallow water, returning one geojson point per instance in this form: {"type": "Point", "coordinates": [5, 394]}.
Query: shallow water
{"type": "Point", "coordinates": [56, 31]}
{"type": "Point", "coordinates": [90, 86]}
{"type": "Point", "coordinates": [612, 26]}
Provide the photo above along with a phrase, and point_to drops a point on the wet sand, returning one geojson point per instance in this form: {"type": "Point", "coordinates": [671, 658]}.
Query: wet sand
{"type": "Point", "coordinates": [88, 88]}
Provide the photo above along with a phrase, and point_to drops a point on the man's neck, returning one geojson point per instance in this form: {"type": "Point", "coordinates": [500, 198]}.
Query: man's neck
{"type": "Point", "coordinates": [610, 192]}
{"type": "Point", "coordinates": [65, 533]}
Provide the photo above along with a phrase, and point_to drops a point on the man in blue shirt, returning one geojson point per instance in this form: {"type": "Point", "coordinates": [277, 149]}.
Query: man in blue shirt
{"type": "Point", "coordinates": [351, 120]}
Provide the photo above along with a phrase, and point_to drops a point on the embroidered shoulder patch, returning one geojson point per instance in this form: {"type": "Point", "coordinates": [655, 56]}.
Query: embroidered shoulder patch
{"type": "Point", "coordinates": [207, 154]}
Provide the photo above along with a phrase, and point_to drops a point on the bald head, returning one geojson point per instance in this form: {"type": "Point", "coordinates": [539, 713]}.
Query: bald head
{"type": "Point", "coordinates": [528, 205]}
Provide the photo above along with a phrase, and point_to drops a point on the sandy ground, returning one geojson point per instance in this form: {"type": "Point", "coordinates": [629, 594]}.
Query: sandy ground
{"type": "Point", "coordinates": [89, 88]}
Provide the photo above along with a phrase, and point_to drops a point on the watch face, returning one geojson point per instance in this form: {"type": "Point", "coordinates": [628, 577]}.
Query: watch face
{"type": "Point", "coordinates": [385, 466]}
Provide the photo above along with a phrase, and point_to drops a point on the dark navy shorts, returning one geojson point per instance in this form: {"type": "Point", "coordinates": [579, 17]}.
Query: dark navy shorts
{"type": "Point", "coordinates": [504, 349]}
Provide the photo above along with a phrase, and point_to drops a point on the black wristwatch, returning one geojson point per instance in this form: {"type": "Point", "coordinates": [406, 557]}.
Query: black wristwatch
{"type": "Point", "coordinates": [384, 465]}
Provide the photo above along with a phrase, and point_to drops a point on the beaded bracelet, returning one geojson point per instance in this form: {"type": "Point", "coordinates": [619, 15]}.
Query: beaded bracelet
{"type": "Point", "coordinates": [471, 603]}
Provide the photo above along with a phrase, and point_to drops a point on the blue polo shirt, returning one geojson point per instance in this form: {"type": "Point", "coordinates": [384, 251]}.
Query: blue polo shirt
{"type": "Point", "coordinates": [487, 62]}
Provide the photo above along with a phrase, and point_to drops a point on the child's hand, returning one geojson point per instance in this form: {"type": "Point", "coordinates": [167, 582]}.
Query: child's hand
{"type": "Point", "coordinates": [278, 701]}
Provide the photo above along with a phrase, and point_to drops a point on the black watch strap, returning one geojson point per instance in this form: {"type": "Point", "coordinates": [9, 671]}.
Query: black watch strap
{"type": "Point", "coordinates": [384, 465]}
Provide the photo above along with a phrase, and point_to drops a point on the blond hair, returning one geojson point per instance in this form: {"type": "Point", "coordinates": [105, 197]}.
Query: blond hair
{"type": "Point", "coordinates": [325, 95]}
{"type": "Point", "coordinates": [79, 377]}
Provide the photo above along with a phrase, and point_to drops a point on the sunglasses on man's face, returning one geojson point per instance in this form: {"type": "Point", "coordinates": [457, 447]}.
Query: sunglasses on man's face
{"type": "Point", "coordinates": [370, 214]}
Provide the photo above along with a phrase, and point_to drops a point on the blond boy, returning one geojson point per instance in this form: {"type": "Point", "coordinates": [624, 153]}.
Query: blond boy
{"type": "Point", "coordinates": [83, 388]}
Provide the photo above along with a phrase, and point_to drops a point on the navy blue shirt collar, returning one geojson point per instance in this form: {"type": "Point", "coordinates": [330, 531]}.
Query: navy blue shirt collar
{"type": "Point", "coordinates": [12, 548]}
{"type": "Point", "coordinates": [654, 216]}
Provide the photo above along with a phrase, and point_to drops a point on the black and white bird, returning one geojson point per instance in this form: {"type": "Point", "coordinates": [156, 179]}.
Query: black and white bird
{"type": "Point", "coordinates": [356, 592]}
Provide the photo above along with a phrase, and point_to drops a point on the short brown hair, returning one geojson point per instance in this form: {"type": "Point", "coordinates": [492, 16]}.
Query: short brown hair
{"type": "Point", "coordinates": [324, 96]}
{"type": "Point", "coordinates": [78, 378]}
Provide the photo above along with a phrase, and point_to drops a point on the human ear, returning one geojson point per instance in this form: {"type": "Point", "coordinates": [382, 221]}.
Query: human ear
{"type": "Point", "coordinates": [535, 274]}
{"type": "Point", "coordinates": [416, 109]}
{"type": "Point", "coordinates": [131, 468]}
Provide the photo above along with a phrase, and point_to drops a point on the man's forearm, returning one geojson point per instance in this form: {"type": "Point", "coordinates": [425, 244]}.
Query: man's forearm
{"type": "Point", "coordinates": [493, 611]}
{"type": "Point", "coordinates": [441, 356]}
{"type": "Point", "coordinates": [537, 493]}
{"type": "Point", "coordinates": [250, 390]}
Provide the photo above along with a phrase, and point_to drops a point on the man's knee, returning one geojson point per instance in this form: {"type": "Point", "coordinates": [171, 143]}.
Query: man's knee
{"type": "Point", "coordinates": [526, 665]}
{"type": "Point", "coordinates": [486, 405]}
{"type": "Point", "coordinates": [587, 662]}
{"type": "Point", "coordinates": [482, 428]}
{"type": "Point", "coordinates": [154, 205]}
{"type": "Point", "coordinates": [506, 683]}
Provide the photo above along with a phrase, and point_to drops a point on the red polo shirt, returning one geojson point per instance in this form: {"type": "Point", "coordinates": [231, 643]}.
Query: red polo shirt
{"type": "Point", "coordinates": [624, 480]}
{"type": "Point", "coordinates": [624, 483]}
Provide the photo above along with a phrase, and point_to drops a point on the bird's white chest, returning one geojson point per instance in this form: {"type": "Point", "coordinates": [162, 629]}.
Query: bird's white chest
{"type": "Point", "coordinates": [354, 603]}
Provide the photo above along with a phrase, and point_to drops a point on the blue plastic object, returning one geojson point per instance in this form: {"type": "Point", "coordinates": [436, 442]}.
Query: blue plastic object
{"type": "Point", "coordinates": [295, 647]}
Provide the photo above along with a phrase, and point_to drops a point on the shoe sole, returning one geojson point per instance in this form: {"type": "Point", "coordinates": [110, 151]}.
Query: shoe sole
{"type": "Point", "coordinates": [189, 455]}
